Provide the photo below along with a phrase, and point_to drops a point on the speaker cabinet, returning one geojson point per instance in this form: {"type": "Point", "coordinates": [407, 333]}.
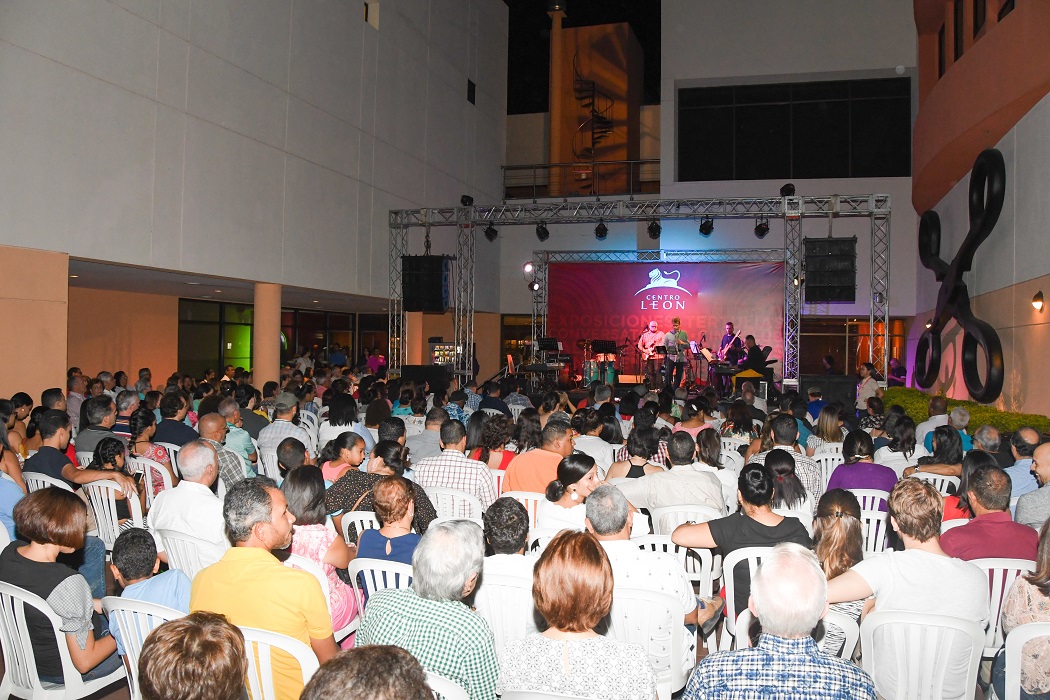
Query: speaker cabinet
{"type": "Point", "coordinates": [425, 281]}
{"type": "Point", "coordinates": [831, 269]}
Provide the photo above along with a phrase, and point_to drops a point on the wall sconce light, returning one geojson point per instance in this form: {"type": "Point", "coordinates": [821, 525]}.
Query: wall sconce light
{"type": "Point", "coordinates": [1037, 301]}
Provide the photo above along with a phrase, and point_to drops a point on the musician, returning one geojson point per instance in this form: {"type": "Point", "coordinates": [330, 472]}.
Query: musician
{"type": "Point", "coordinates": [675, 342]}
{"type": "Point", "coordinates": [647, 343]}
{"type": "Point", "coordinates": [731, 349]}
{"type": "Point", "coordinates": [754, 358]}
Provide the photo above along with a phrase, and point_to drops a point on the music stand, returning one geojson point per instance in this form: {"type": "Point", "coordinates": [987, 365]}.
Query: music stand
{"type": "Point", "coordinates": [547, 344]}
{"type": "Point", "coordinates": [603, 347]}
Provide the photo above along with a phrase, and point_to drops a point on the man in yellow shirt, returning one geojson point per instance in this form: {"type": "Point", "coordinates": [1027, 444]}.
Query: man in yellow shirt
{"type": "Point", "coordinates": [252, 588]}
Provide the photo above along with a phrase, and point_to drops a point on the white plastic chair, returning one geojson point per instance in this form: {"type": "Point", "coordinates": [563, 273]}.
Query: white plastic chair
{"type": "Point", "coordinates": [515, 412]}
{"type": "Point", "coordinates": [20, 675]}
{"type": "Point", "coordinates": [5, 538]}
{"type": "Point", "coordinates": [701, 567]}
{"type": "Point", "coordinates": [953, 523]}
{"type": "Point", "coordinates": [733, 444]}
{"type": "Point", "coordinates": [875, 527]}
{"type": "Point", "coordinates": [445, 689]}
{"type": "Point", "coordinates": [173, 455]}
{"type": "Point", "coordinates": [922, 652]}
{"type": "Point", "coordinates": [362, 520]}
{"type": "Point", "coordinates": [308, 422]}
{"type": "Point", "coordinates": [536, 695]}
{"type": "Point", "coordinates": [743, 623]}
{"type": "Point", "coordinates": [453, 503]}
{"type": "Point", "coordinates": [828, 462]}
{"type": "Point", "coordinates": [259, 645]}
{"type": "Point", "coordinates": [1015, 642]}
{"type": "Point", "coordinates": [497, 479]}
{"type": "Point", "coordinates": [846, 625]}
{"type": "Point", "coordinates": [530, 500]}
{"type": "Point", "coordinates": [829, 447]}
{"type": "Point", "coordinates": [377, 574]}
{"type": "Point", "coordinates": [803, 516]}
{"type": "Point", "coordinates": [492, 411]}
{"type": "Point", "coordinates": [505, 602]}
{"type": "Point", "coordinates": [36, 481]}
{"type": "Point", "coordinates": [317, 571]}
{"type": "Point", "coordinates": [150, 471]}
{"type": "Point", "coordinates": [135, 620]}
{"type": "Point", "coordinates": [871, 499]}
{"type": "Point", "coordinates": [666, 519]}
{"type": "Point", "coordinates": [268, 462]}
{"type": "Point", "coordinates": [1001, 575]}
{"type": "Point", "coordinates": [939, 481]}
{"type": "Point", "coordinates": [103, 504]}
{"type": "Point", "coordinates": [539, 538]}
{"type": "Point", "coordinates": [730, 459]}
{"type": "Point", "coordinates": [84, 458]}
{"type": "Point", "coordinates": [751, 556]}
{"type": "Point", "coordinates": [183, 552]}
{"type": "Point", "coordinates": [653, 620]}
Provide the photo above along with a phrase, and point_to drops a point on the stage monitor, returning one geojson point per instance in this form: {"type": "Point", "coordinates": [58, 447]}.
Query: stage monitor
{"type": "Point", "coordinates": [831, 269]}
{"type": "Point", "coordinates": [425, 282]}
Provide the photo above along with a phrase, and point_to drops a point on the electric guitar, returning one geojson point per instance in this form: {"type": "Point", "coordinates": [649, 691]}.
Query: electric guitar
{"type": "Point", "coordinates": [724, 350]}
{"type": "Point", "coordinates": [648, 350]}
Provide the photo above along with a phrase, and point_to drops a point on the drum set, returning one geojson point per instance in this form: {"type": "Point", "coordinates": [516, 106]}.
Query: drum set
{"type": "Point", "coordinates": [601, 365]}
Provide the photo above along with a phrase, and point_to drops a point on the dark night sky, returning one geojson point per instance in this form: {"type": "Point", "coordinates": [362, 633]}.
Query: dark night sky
{"type": "Point", "coordinates": [528, 63]}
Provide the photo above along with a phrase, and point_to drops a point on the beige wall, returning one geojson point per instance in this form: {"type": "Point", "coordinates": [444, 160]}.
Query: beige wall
{"type": "Point", "coordinates": [123, 331]}
{"type": "Point", "coordinates": [33, 305]}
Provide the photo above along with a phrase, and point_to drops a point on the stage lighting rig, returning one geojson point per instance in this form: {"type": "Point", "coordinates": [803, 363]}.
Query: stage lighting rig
{"type": "Point", "coordinates": [707, 227]}
{"type": "Point", "coordinates": [491, 232]}
{"type": "Point", "coordinates": [534, 286]}
{"type": "Point", "coordinates": [466, 200]}
{"type": "Point", "coordinates": [542, 233]}
{"type": "Point", "coordinates": [527, 268]}
{"type": "Point", "coordinates": [601, 231]}
{"type": "Point", "coordinates": [654, 229]}
{"type": "Point", "coordinates": [788, 190]}
{"type": "Point", "coordinates": [761, 227]}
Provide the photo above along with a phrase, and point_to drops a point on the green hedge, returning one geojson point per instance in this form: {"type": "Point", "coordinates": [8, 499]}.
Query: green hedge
{"type": "Point", "coordinates": [916, 405]}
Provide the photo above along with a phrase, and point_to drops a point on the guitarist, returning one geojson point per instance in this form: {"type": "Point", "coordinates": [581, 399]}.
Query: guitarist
{"type": "Point", "coordinates": [676, 341]}
{"type": "Point", "coordinates": [647, 343]}
{"type": "Point", "coordinates": [731, 349]}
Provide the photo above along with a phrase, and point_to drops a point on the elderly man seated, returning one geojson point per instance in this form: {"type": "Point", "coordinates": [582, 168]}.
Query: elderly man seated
{"type": "Point", "coordinates": [789, 597]}
{"type": "Point", "coordinates": [430, 620]}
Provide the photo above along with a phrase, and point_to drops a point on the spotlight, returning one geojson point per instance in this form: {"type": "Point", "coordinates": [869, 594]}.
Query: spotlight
{"type": "Point", "coordinates": [466, 200]}
{"type": "Point", "coordinates": [654, 229]}
{"type": "Point", "coordinates": [1037, 301]}
{"type": "Point", "coordinates": [542, 233]}
{"type": "Point", "coordinates": [534, 286]}
{"type": "Point", "coordinates": [761, 227]}
{"type": "Point", "coordinates": [787, 190]}
{"type": "Point", "coordinates": [527, 268]}
{"type": "Point", "coordinates": [491, 232]}
{"type": "Point", "coordinates": [601, 231]}
{"type": "Point", "coordinates": [796, 281]}
{"type": "Point", "coordinates": [929, 324]}
{"type": "Point", "coordinates": [707, 226]}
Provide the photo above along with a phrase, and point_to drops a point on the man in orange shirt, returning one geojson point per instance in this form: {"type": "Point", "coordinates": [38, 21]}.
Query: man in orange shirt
{"type": "Point", "coordinates": [533, 470]}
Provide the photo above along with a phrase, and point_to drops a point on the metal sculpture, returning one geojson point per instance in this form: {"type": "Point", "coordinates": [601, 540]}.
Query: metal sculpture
{"type": "Point", "coordinates": [987, 192]}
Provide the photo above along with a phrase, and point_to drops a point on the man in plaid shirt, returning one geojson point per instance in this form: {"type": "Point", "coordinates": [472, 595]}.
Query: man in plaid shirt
{"type": "Point", "coordinates": [429, 620]}
{"type": "Point", "coordinates": [453, 469]}
{"type": "Point", "coordinates": [789, 596]}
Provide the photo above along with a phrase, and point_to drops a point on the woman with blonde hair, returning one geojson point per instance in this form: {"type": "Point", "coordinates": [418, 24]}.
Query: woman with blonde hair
{"type": "Point", "coordinates": [829, 429]}
{"type": "Point", "coordinates": [572, 588]}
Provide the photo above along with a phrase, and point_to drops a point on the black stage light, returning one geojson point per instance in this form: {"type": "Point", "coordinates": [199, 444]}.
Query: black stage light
{"type": "Point", "coordinates": [534, 286]}
{"type": "Point", "coordinates": [466, 200]}
{"type": "Point", "coordinates": [761, 227]}
{"type": "Point", "coordinates": [654, 229]}
{"type": "Point", "coordinates": [787, 190]}
{"type": "Point", "coordinates": [601, 231]}
{"type": "Point", "coordinates": [707, 227]}
{"type": "Point", "coordinates": [491, 232]}
{"type": "Point", "coordinates": [542, 233]}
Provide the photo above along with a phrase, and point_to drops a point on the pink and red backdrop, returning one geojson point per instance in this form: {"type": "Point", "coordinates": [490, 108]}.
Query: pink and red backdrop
{"type": "Point", "coordinates": [615, 301]}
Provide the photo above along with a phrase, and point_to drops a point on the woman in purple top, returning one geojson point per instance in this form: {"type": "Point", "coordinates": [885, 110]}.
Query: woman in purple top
{"type": "Point", "coordinates": [858, 471]}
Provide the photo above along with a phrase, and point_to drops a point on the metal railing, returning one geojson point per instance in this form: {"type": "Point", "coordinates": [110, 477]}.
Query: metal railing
{"type": "Point", "coordinates": [606, 178]}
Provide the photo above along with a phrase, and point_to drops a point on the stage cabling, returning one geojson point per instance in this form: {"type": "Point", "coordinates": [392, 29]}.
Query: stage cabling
{"type": "Point", "coordinates": [793, 210]}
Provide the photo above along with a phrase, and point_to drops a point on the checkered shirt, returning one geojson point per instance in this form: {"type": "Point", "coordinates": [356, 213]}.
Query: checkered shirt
{"type": "Point", "coordinates": [446, 636]}
{"type": "Point", "coordinates": [778, 669]}
{"type": "Point", "coordinates": [806, 469]}
{"type": "Point", "coordinates": [231, 466]}
{"type": "Point", "coordinates": [453, 469]}
{"type": "Point", "coordinates": [473, 400]}
{"type": "Point", "coordinates": [659, 458]}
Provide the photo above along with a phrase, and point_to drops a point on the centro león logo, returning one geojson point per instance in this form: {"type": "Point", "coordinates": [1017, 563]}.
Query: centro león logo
{"type": "Point", "coordinates": [664, 299]}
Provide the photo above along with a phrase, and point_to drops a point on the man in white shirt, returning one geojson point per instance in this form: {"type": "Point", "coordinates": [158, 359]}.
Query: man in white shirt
{"type": "Point", "coordinates": [284, 408]}
{"type": "Point", "coordinates": [453, 469]}
{"type": "Point", "coordinates": [191, 508]}
{"type": "Point", "coordinates": [506, 532]}
{"type": "Point", "coordinates": [588, 426]}
{"type": "Point", "coordinates": [609, 518]}
{"type": "Point", "coordinates": [922, 578]}
{"type": "Point", "coordinates": [683, 484]}
{"type": "Point", "coordinates": [938, 416]}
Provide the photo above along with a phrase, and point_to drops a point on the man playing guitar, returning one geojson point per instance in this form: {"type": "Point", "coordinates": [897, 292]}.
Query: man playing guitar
{"type": "Point", "coordinates": [677, 342]}
{"type": "Point", "coordinates": [647, 343]}
{"type": "Point", "coordinates": [731, 349]}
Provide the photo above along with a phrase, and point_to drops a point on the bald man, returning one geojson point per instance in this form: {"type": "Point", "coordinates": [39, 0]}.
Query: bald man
{"type": "Point", "coordinates": [1022, 446]}
{"type": "Point", "coordinates": [231, 467]}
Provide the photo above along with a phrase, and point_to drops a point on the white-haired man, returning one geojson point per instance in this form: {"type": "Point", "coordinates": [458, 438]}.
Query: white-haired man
{"type": "Point", "coordinates": [430, 620]}
{"type": "Point", "coordinates": [959, 419]}
{"type": "Point", "coordinates": [789, 597]}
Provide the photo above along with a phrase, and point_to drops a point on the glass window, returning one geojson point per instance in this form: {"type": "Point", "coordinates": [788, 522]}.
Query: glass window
{"type": "Point", "coordinates": [193, 310]}
{"type": "Point", "coordinates": [238, 313]}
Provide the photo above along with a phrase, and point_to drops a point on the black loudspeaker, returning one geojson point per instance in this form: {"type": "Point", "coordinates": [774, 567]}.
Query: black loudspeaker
{"type": "Point", "coordinates": [831, 269]}
{"type": "Point", "coordinates": [833, 387]}
{"type": "Point", "coordinates": [425, 282]}
{"type": "Point", "coordinates": [437, 376]}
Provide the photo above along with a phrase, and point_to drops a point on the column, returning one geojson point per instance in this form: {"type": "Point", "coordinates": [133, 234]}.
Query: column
{"type": "Point", "coordinates": [266, 333]}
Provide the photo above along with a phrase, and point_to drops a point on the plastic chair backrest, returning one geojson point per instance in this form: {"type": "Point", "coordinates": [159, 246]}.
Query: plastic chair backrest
{"type": "Point", "coordinates": [849, 629]}
{"type": "Point", "coordinates": [497, 479]}
{"type": "Point", "coordinates": [874, 525]}
{"type": "Point", "coordinates": [295, 561]}
{"type": "Point", "coordinates": [1001, 575]}
{"type": "Point", "coordinates": [530, 500]}
{"type": "Point", "coordinates": [515, 411]}
{"type": "Point", "coordinates": [453, 503]}
{"type": "Point", "coordinates": [5, 538]}
{"type": "Point", "coordinates": [939, 481]}
{"type": "Point", "coordinates": [361, 520]}
{"type": "Point", "coordinates": [103, 503]}
{"type": "Point", "coordinates": [697, 563]}
{"type": "Point", "coordinates": [183, 552]}
{"type": "Point", "coordinates": [173, 456]}
{"type": "Point", "coordinates": [84, 458]}
{"type": "Point", "coordinates": [743, 623]}
{"type": "Point", "coordinates": [653, 620]}
{"type": "Point", "coordinates": [922, 652]}
{"type": "Point", "coordinates": [445, 689]}
{"type": "Point", "coordinates": [152, 472]}
{"type": "Point", "coordinates": [36, 481]}
{"type": "Point", "coordinates": [871, 499]}
{"type": "Point", "coordinates": [751, 556]}
{"type": "Point", "coordinates": [731, 460]}
{"type": "Point", "coordinates": [539, 538]}
{"type": "Point", "coordinates": [666, 519]}
{"type": "Point", "coordinates": [828, 462]}
{"type": "Point", "coordinates": [733, 444]}
{"type": "Point", "coordinates": [20, 674]}
{"type": "Point", "coordinates": [1015, 642]}
{"type": "Point", "coordinates": [135, 620]}
{"type": "Point", "coordinates": [259, 645]}
{"type": "Point", "coordinates": [268, 462]}
{"type": "Point", "coordinates": [505, 601]}
{"type": "Point", "coordinates": [953, 523]}
{"type": "Point", "coordinates": [803, 516]}
{"type": "Point", "coordinates": [829, 447]}
{"type": "Point", "coordinates": [371, 575]}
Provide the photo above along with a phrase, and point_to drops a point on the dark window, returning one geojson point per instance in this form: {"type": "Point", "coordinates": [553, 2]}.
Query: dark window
{"type": "Point", "coordinates": [980, 8]}
{"type": "Point", "coordinates": [471, 90]}
{"type": "Point", "coordinates": [1006, 8]}
{"type": "Point", "coordinates": [859, 128]}
{"type": "Point", "coordinates": [958, 26]}
{"type": "Point", "coordinates": [941, 58]}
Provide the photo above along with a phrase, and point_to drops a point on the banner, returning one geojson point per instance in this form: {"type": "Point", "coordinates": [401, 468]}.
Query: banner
{"type": "Point", "coordinates": [615, 301]}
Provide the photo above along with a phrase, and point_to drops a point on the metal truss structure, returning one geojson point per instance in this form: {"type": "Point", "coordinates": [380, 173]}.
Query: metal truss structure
{"type": "Point", "coordinates": [792, 210]}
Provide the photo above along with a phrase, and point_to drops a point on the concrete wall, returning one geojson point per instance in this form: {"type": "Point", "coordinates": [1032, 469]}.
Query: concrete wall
{"type": "Point", "coordinates": [1009, 268]}
{"type": "Point", "coordinates": [255, 139]}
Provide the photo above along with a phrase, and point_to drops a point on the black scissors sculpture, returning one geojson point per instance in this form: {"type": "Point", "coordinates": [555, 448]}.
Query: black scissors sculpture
{"type": "Point", "coordinates": [987, 192]}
